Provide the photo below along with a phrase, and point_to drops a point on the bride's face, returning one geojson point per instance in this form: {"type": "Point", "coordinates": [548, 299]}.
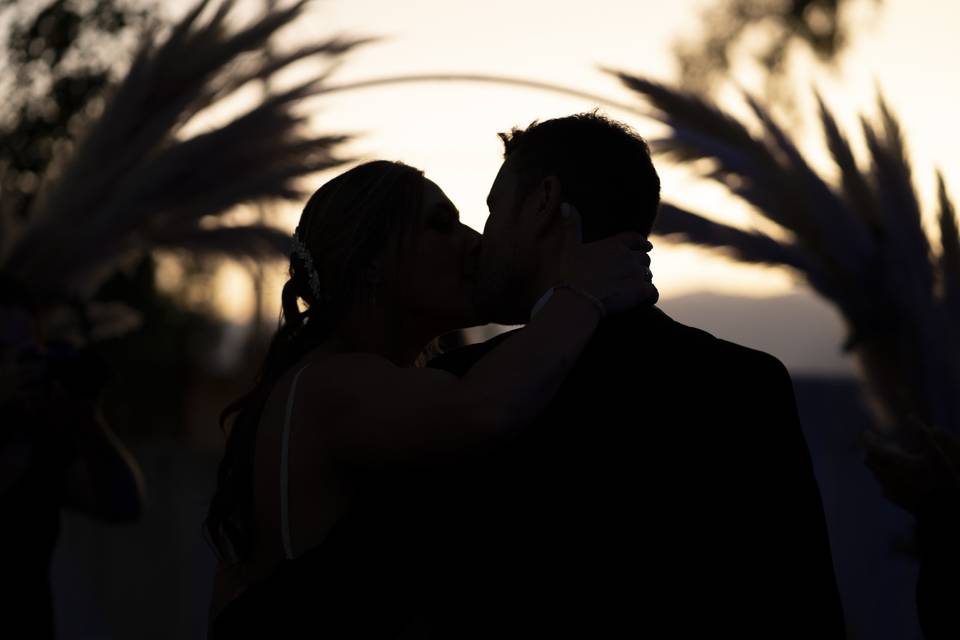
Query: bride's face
{"type": "Point", "coordinates": [438, 271]}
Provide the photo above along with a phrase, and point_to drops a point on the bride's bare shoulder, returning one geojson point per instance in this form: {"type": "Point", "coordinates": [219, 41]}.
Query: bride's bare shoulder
{"type": "Point", "coordinates": [333, 371]}
{"type": "Point", "coordinates": [350, 370]}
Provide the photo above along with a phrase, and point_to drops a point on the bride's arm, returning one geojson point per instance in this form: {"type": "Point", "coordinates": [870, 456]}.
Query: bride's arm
{"type": "Point", "coordinates": [378, 413]}
{"type": "Point", "coordinates": [388, 414]}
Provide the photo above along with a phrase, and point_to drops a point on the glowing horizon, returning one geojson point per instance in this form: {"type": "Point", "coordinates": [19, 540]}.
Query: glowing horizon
{"type": "Point", "coordinates": [449, 130]}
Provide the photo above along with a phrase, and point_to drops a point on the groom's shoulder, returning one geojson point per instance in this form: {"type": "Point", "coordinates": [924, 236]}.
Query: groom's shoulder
{"type": "Point", "coordinates": [653, 331]}
{"type": "Point", "coordinates": [634, 337]}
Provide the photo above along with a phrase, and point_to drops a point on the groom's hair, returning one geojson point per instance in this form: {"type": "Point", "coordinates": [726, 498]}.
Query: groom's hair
{"type": "Point", "coordinates": [604, 169]}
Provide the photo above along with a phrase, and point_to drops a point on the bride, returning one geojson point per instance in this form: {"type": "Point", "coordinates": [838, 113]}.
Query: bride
{"type": "Point", "coordinates": [382, 266]}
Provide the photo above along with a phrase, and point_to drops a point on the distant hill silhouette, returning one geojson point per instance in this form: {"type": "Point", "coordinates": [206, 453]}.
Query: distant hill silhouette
{"type": "Point", "coordinates": [799, 328]}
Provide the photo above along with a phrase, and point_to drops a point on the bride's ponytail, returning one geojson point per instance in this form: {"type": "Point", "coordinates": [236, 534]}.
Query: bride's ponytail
{"type": "Point", "coordinates": [228, 525]}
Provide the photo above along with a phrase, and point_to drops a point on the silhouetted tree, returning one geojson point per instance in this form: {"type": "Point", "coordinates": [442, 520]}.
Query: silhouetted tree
{"type": "Point", "coordinates": [772, 32]}
{"type": "Point", "coordinates": [99, 174]}
{"type": "Point", "coordinates": [859, 243]}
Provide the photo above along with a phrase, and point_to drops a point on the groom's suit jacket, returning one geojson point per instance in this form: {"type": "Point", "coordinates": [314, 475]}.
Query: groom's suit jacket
{"type": "Point", "coordinates": [667, 491]}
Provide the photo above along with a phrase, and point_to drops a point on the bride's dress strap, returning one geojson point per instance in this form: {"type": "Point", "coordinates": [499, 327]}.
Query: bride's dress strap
{"type": "Point", "coordinates": [284, 461]}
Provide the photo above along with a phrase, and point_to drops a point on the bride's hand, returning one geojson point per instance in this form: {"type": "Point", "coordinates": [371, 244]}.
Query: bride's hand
{"type": "Point", "coordinates": [614, 270]}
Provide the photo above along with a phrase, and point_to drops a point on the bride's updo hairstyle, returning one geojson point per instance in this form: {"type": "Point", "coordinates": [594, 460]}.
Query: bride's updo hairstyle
{"type": "Point", "coordinates": [345, 227]}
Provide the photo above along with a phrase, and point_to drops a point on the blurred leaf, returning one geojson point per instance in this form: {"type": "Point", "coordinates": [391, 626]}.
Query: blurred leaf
{"type": "Point", "coordinates": [258, 242]}
{"type": "Point", "coordinates": [950, 252]}
{"type": "Point", "coordinates": [861, 246]}
{"type": "Point", "coordinates": [774, 31]}
{"type": "Point", "coordinates": [131, 176]}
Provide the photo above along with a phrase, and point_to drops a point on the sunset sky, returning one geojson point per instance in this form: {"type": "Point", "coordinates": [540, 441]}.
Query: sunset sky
{"type": "Point", "coordinates": [908, 49]}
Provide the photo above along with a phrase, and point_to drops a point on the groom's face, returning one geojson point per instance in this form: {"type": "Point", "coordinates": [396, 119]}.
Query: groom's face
{"type": "Point", "coordinates": [508, 257]}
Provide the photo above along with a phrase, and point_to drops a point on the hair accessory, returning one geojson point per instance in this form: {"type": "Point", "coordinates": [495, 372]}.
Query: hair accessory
{"type": "Point", "coordinates": [313, 277]}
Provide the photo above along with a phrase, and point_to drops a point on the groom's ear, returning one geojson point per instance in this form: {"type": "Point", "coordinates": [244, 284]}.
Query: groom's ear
{"type": "Point", "coordinates": [549, 194]}
{"type": "Point", "coordinates": [549, 197]}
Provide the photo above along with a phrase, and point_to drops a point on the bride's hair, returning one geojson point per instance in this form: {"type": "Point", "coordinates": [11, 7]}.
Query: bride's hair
{"type": "Point", "coordinates": [345, 225]}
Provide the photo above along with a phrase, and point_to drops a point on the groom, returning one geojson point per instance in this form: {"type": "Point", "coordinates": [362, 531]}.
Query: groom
{"type": "Point", "coordinates": [667, 489]}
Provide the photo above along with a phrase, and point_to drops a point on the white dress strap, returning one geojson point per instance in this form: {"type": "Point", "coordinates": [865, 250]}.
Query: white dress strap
{"type": "Point", "coordinates": [284, 462]}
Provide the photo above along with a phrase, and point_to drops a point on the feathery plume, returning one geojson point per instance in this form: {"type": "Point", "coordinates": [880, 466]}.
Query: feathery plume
{"type": "Point", "coordinates": [134, 182]}
{"type": "Point", "coordinates": [860, 244]}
